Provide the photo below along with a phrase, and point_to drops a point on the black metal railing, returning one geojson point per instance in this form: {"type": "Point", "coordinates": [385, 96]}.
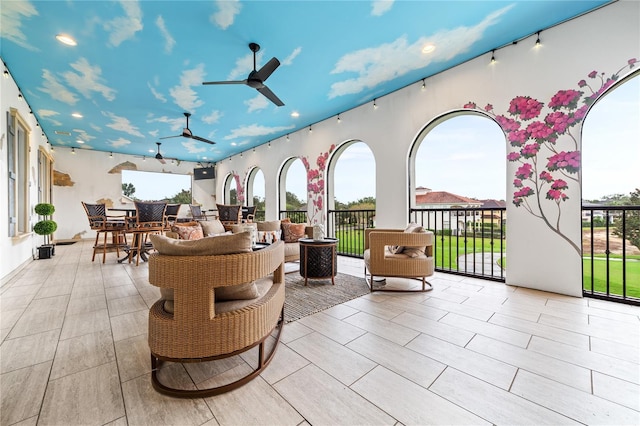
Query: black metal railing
{"type": "Point", "coordinates": [348, 227]}
{"type": "Point", "coordinates": [259, 216]}
{"type": "Point", "coordinates": [610, 261]}
{"type": "Point", "coordinates": [468, 241]}
{"type": "Point", "coordinates": [296, 216]}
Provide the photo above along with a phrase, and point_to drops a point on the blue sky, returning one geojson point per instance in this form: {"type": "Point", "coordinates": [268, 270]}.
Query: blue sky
{"type": "Point", "coordinates": [611, 154]}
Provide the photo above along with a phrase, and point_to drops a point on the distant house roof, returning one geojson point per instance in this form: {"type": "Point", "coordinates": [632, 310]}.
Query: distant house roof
{"type": "Point", "coordinates": [444, 197]}
{"type": "Point", "coordinates": [493, 204]}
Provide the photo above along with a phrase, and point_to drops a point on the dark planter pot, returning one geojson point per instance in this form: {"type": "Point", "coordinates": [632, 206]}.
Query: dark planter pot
{"type": "Point", "coordinates": [46, 251]}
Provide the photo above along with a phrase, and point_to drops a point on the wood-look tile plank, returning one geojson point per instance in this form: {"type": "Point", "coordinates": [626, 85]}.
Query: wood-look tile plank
{"type": "Point", "coordinates": [91, 396]}
{"type": "Point", "coordinates": [383, 328]}
{"type": "Point", "coordinates": [27, 351]}
{"type": "Point", "coordinates": [615, 349]}
{"type": "Point", "coordinates": [126, 305]}
{"type": "Point", "coordinates": [129, 325]}
{"type": "Point", "coordinates": [486, 368]}
{"type": "Point", "coordinates": [405, 362]}
{"type": "Point", "coordinates": [604, 332]}
{"type": "Point", "coordinates": [85, 323]}
{"type": "Point", "coordinates": [376, 308]}
{"type": "Point", "coordinates": [41, 315]}
{"type": "Point", "coordinates": [491, 403]}
{"type": "Point", "coordinates": [410, 403]}
{"type": "Point", "coordinates": [435, 328]}
{"type": "Point", "coordinates": [252, 404]}
{"type": "Point", "coordinates": [120, 291]}
{"type": "Point", "coordinates": [616, 390]}
{"type": "Point", "coordinates": [337, 360]}
{"type": "Point", "coordinates": [504, 334]}
{"type": "Point", "coordinates": [544, 365]}
{"type": "Point", "coordinates": [576, 404]}
{"type": "Point", "coordinates": [133, 356]}
{"type": "Point", "coordinates": [331, 327]}
{"type": "Point", "coordinates": [549, 332]}
{"type": "Point", "coordinates": [86, 304]}
{"type": "Point", "coordinates": [22, 392]}
{"type": "Point", "coordinates": [83, 352]}
{"type": "Point", "coordinates": [294, 330]}
{"type": "Point", "coordinates": [468, 311]}
{"type": "Point", "coordinates": [284, 362]}
{"type": "Point", "coordinates": [305, 388]}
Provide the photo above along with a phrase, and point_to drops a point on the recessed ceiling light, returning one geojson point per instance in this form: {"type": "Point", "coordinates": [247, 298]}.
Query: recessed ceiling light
{"type": "Point", "coordinates": [204, 158]}
{"type": "Point", "coordinates": [151, 150]}
{"type": "Point", "coordinates": [76, 115]}
{"type": "Point", "coordinates": [428, 48]}
{"type": "Point", "coordinates": [295, 114]}
{"type": "Point", "coordinates": [60, 132]}
{"type": "Point", "coordinates": [80, 141]}
{"type": "Point", "coordinates": [233, 144]}
{"type": "Point", "coordinates": [66, 39]}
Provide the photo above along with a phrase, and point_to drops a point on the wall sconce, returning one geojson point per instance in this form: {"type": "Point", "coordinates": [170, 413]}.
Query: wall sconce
{"type": "Point", "coordinates": [538, 39]}
{"type": "Point", "coordinates": [144, 158]}
{"type": "Point", "coordinates": [73, 151]}
{"type": "Point", "coordinates": [288, 137]}
{"type": "Point", "coordinates": [6, 74]}
{"type": "Point", "coordinates": [240, 155]}
{"type": "Point", "coordinates": [310, 129]}
{"type": "Point", "coordinates": [375, 106]}
{"type": "Point", "coordinates": [338, 118]}
{"type": "Point", "coordinates": [20, 95]}
{"type": "Point", "coordinates": [493, 57]}
{"type": "Point", "coordinates": [111, 155]}
{"type": "Point", "coordinates": [269, 145]}
{"type": "Point", "coordinates": [423, 85]}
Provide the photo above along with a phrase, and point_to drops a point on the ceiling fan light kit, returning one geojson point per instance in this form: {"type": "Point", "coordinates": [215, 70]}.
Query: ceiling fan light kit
{"type": "Point", "coordinates": [186, 133]}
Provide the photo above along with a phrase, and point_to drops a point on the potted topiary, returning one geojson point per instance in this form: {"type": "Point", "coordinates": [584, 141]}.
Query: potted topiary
{"type": "Point", "coordinates": [45, 227]}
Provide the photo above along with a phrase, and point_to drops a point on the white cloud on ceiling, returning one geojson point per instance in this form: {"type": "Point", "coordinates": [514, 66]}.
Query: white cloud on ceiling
{"type": "Point", "coordinates": [380, 7]}
{"type": "Point", "coordinates": [256, 130]}
{"type": "Point", "coordinates": [193, 147]}
{"type": "Point", "coordinates": [55, 89]}
{"type": "Point", "coordinates": [289, 59]}
{"type": "Point", "coordinates": [226, 14]}
{"type": "Point", "coordinates": [169, 41]}
{"type": "Point", "coordinates": [383, 63]}
{"type": "Point", "coordinates": [120, 142]}
{"type": "Point", "coordinates": [244, 65]}
{"type": "Point", "coordinates": [95, 127]}
{"type": "Point", "coordinates": [83, 135]}
{"type": "Point", "coordinates": [11, 15]}
{"type": "Point", "coordinates": [47, 113]}
{"type": "Point", "coordinates": [212, 118]}
{"type": "Point", "coordinates": [159, 96]}
{"type": "Point", "coordinates": [125, 27]}
{"type": "Point", "coordinates": [257, 103]}
{"type": "Point", "coordinates": [185, 97]}
{"type": "Point", "coordinates": [122, 124]}
{"type": "Point", "coordinates": [175, 123]}
{"type": "Point", "coordinates": [88, 79]}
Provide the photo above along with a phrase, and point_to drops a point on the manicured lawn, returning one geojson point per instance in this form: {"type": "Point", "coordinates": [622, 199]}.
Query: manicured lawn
{"type": "Point", "coordinates": [615, 275]}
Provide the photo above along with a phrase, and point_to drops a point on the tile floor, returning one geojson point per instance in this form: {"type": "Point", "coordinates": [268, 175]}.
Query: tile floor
{"type": "Point", "coordinates": [74, 351]}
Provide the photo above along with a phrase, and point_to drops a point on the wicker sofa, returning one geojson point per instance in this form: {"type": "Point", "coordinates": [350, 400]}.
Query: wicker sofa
{"type": "Point", "coordinates": [195, 325]}
{"type": "Point", "coordinates": [291, 246]}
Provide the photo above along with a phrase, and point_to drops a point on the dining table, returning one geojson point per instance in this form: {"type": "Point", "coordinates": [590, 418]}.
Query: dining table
{"type": "Point", "coordinates": [132, 250]}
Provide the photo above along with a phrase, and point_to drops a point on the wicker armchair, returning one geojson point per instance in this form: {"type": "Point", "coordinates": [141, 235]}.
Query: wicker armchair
{"type": "Point", "coordinates": [380, 262]}
{"type": "Point", "coordinates": [201, 329]}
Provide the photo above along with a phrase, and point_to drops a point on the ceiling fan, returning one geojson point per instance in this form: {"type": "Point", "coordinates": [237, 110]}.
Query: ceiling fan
{"type": "Point", "coordinates": [159, 156]}
{"type": "Point", "coordinates": [186, 133]}
{"type": "Point", "coordinates": [256, 79]}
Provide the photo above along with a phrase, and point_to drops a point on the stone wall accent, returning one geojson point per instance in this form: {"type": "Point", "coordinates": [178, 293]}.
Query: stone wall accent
{"type": "Point", "coordinates": [127, 165]}
{"type": "Point", "coordinates": [62, 179]}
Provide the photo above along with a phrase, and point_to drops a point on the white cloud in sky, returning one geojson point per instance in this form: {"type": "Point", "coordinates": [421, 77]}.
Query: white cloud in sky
{"type": "Point", "coordinates": [226, 14]}
{"type": "Point", "coordinates": [159, 96]}
{"type": "Point", "coordinates": [382, 63]}
{"type": "Point", "coordinates": [257, 103]}
{"type": "Point", "coordinates": [55, 89]}
{"type": "Point", "coordinates": [120, 142]}
{"type": "Point", "coordinates": [380, 7]}
{"type": "Point", "coordinates": [289, 59]}
{"type": "Point", "coordinates": [122, 124]}
{"type": "Point", "coordinates": [183, 95]}
{"type": "Point", "coordinates": [12, 14]}
{"type": "Point", "coordinates": [255, 130]}
{"type": "Point", "coordinates": [193, 147]}
{"type": "Point", "coordinates": [125, 27]}
{"type": "Point", "coordinates": [47, 113]}
{"type": "Point", "coordinates": [212, 118]}
{"type": "Point", "coordinates": [88, 79]}
{"type": "Point", "coordinates": [169, 41]}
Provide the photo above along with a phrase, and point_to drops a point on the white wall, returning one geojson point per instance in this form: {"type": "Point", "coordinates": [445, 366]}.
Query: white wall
{"type": "Point", "coordinates": [603, 40]}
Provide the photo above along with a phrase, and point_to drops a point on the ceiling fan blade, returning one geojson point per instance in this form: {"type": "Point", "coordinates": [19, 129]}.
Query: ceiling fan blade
{"type": "Point", "coordinates": [169, 137]}
{"type": "Point", "coordinates": [270, 95]}
{"type": "Point", "coordinates": [198, 138]}
{"type": "Point", "coordinates": [268, 68]}
{"type": "Point", "coordinates": [225, 82]}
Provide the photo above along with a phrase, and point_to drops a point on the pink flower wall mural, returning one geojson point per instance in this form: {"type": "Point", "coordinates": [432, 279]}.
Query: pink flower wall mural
{"type": "Point", "coordinates": [316, 186]}
{"type": "Point", "coordinates": [239, 187]}
{"type": "Point", "coordinates": [550, 174]}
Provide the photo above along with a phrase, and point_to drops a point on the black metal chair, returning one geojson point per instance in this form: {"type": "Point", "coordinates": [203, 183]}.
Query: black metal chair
{"type": "Point", "coordinates": [229, 215]}
{"type": "Point", "coordinates": [105, 225]}
{"type": "Point", "coordinates": [149, 219]}
{"type": "Point", "coordinates": [197, 213]}
{"type": "Point", "coordinates": [248, 213]}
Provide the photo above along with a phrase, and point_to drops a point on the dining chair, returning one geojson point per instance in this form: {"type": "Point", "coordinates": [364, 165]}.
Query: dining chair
{"type": "Point", "coordinates": [197, 213]}
{"type": "Point", "coordinates": [105, 225]}
{"type": "Point", "coordinates": [248, 213]}
{"type": "Point", "coordinates": [149, 219]}
{"type": "Point", "coordinates": [171, 215]}
{"type": "Point", "coordinates": [229, 215]}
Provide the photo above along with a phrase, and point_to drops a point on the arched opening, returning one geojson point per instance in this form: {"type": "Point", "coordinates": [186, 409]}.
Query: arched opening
{"type": "Point", "coordinates": [458, 189]}
{"type": "Point", "coordinates": [230, 190]}
{"type": "Point", "coordinates": [256, 192]}
{"type": "Point", "coordinates": [293, 191]}
{"type": "Point", "coordinates": [611, 194]}
{"type": "Point", "coordinates": [351, 196]}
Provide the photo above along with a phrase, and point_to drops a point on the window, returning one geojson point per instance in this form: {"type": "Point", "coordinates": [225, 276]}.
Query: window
{"type": "Point", "coordinates": [18, 170]}
{"type": "Point", "coordinates": [154, 186]}
{"type": "Point", "coordinates": [45, 178]}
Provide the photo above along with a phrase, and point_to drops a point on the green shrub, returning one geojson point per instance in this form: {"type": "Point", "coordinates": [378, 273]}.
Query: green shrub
{"type": "Point", "coordinates": [44, 209]}
{"type": "Point", "coordinates": [45, 227]}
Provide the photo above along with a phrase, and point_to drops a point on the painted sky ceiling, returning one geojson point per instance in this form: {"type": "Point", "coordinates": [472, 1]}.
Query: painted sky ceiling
{"type": "Point", "coordinates": [139, 65]}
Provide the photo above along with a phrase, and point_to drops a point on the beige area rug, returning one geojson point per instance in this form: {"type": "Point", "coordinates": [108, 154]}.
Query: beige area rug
{"type": "Point", "coordinates": [319, 295]}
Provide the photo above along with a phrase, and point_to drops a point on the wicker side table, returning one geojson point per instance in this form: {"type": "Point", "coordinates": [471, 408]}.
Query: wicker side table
{"type": "Point", "coordinates": [318, 259]}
